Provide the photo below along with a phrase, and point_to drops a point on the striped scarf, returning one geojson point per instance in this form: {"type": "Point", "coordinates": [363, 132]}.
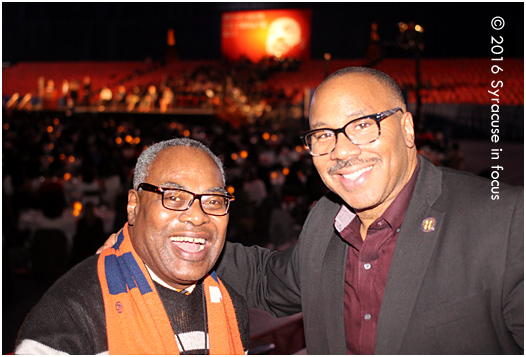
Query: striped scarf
{"type": "Point", "coordinates": [136, 322]}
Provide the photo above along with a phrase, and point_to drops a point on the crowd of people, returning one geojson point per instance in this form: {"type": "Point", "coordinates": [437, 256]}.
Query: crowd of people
{"type": "Point", "coordinates": [231, 88]}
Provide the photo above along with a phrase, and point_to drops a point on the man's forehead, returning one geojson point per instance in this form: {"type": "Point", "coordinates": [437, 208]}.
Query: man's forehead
{"type": "Point", "coordinates": [176, 160]}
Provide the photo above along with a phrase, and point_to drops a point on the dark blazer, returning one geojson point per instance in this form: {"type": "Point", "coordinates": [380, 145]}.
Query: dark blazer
{"type": "Point", "coordinates": [458, 289]}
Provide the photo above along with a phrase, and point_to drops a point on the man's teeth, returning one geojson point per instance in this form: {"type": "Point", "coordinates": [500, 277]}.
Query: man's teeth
{"type": "Point", "coordinates": [199, 241]}
{"type": "Point", "coordinates": [357, 174]}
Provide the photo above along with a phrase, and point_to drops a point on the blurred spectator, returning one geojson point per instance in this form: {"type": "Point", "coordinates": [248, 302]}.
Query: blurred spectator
{"type": "Point", "coordinates": [89, 234]}
{"type": "Point", "coordinates": [86, 91]}
{"type": "Point", "coordinates": [254, 187]}
{"type": "Point", "coordinates": [105, 96]}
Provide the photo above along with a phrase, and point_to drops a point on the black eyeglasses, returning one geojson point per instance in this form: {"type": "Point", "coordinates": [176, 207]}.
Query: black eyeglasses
{"type": "Point", "coordinates": [359, 131]}
{"type": "Point", "coordinates": [176, 199]}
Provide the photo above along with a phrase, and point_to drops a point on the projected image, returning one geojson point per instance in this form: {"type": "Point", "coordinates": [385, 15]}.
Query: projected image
{"type": "Point", "coordinates": [275, 33]}
{"type": "Point", "coordinates": [282, 34]}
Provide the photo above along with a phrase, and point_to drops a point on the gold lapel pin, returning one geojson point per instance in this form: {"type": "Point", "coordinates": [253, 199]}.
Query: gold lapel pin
{"type": "Point", "coordinates": [428, 225]}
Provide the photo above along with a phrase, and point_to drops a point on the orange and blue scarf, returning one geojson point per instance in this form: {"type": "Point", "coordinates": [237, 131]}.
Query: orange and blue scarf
{"type": "Point", "coordinates": [136, 322]}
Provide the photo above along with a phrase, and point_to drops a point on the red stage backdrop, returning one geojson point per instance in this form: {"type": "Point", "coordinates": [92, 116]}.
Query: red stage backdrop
{"type": "Point", "coordinates": [255, 34]}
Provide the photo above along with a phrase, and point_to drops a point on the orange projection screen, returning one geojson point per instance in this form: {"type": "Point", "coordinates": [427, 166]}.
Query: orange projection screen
{"type": "Point", "coordinates": [255, 34]}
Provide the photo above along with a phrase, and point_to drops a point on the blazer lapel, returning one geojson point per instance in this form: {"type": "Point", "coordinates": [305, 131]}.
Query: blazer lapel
{"type": "Point", "coordinates": [411, 257]}
{"type": "Point", "coordinates": [333, 289]}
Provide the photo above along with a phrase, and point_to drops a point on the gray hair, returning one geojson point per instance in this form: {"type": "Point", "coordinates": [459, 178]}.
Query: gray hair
{"type": "Point", "coordinates": [147, 156]}
{"type": "Point", "coordinates": [385, 80]}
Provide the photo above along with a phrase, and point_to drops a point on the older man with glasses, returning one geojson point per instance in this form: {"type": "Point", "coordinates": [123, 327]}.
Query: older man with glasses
{"type": "Point", "coordinates": [402, 257]}
{"type": "Point", "coordinates": [154, 291]}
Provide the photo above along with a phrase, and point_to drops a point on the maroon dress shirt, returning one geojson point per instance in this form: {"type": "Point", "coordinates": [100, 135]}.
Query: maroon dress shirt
{"type": "Point", "coordinates": [367, 268]}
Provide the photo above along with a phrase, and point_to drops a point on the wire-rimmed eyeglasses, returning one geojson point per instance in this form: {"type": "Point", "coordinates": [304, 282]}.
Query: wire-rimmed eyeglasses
{"type": "Point", "coordinates": [176, 199]}
{"type": "Point", "coordinates": [360, 131]}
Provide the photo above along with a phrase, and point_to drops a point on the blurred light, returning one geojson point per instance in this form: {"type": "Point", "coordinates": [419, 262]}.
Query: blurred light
{"type": "Point", "coordinates": [186, 133]}
{"type": "Point", "coordinates": [273, 175]}
{"type": "Point", "coordinates": [57, 134]}
{"type": "Point", "coordinates": [118, 141]}
{"type": "Point", "coordinates": [266, 136]}
{"type": "Point", "coordinates": [77, 206]}
{"type": "Point", "coordinates": [56, 121]}
{"type": "Point", "coordinates": [128, 139]}
{"type": "Point", "coordinates": [67, 176]}
{"type": "Point", "coordinates": [209, 93]}
{"type": "Point", "coordinates": [171, 38]}
{"type": "Point", "coordinates": [51, 159]}
{"type": "Point", "coordinates": [71, 159]}
{"type": "Point", "coordinates": [419, 28]}
{"type": "Point", "coordinates": [327, 56]}
{"type": "Point", "coordinates": [286, 171]}
{"type": "Point", "coordinates": [299, 148]}
{"type": "Point", "coordinates": [51, 146]}
{"type": "Point", "coordinates": [137, 140]}
{"type": "Point", "coordinates": [14, 100]}
{"type": "Point", "coordinates": [230, 189]}
{"type": "Point", "coordinates": [173, 125]}
{"type": "Point", "coordinates": [6, 126]}
{"type": "Point", "coordinates": [274, 137]}
{"type": "Point", "coordinates": [62, 157]}
{"type": "Point", "coordinates": [233, 156]}
{"type": "Point", "coordinates": [243, 154]}
{"type": "Point", "coordinates": [120, 129]}
{"type": "Point", "coordinates": [77, 209]}
{"type": "Point", "coordinates": [50, 129]}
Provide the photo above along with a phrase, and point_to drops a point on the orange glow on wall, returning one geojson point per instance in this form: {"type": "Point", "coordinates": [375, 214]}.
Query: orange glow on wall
{"type": "Point", "coordinates": [256, 34]}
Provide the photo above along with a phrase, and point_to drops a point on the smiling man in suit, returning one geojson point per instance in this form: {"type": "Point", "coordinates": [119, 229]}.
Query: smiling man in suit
{"type": "Point", "coordinates": [402, 257]}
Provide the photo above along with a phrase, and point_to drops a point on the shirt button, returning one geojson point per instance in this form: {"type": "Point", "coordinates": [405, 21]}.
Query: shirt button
{"type": "Point", "coordinates": [367, 266]}
{"type": "Point", "coordinates": [367, 317]}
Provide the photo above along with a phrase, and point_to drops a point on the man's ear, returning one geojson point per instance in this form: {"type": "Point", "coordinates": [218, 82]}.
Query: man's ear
{"type": "Point", "coordinates": [408, 129]}
{"type": "Point", "coordinates": [133, 206]}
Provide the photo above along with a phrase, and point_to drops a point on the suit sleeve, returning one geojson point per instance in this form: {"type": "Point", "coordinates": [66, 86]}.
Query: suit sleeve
{"type": "Point", "coordinates": [513, 291]}
{"type": "Point", "coordinates": [266, 279]}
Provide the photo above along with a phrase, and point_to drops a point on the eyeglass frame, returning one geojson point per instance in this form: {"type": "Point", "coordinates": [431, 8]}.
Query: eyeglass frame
{"type": "Point", "coordinates": [378, 117]}
{"type": "Point", "coordinates": [161, 190]}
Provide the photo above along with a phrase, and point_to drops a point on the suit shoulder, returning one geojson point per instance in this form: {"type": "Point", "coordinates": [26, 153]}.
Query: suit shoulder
{"type": "Point", "coordinates": [328, 203]}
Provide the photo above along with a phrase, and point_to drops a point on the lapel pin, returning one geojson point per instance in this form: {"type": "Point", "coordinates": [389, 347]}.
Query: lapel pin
{"type": "Point", "coordinates": [428, 225]}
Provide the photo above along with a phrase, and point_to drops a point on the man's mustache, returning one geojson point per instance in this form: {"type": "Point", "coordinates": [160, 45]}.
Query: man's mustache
{"type": "Point", "coordinates": [340, 164]}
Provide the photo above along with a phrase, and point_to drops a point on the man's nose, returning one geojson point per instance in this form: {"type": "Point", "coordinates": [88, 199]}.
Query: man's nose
{"type": "Point", "coordinates": [344, 148]}
{"type": "Point", "coordinates": [194, 214]}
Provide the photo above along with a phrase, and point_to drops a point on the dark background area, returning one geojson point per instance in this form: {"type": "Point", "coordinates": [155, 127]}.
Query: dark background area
{"type": "Point", "coordinates": [136, 31]}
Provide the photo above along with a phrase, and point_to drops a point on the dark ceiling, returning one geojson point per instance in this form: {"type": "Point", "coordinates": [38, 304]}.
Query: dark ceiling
{"type": "Point", "coordinates": [135, 31]}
